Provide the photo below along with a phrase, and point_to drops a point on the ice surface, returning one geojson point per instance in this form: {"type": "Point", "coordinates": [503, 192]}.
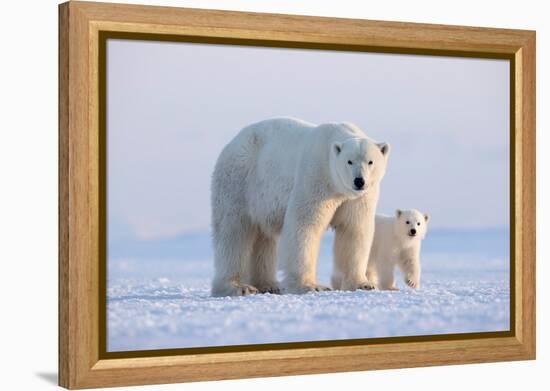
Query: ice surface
{"type": "Point", "coordinates": [163, 301]}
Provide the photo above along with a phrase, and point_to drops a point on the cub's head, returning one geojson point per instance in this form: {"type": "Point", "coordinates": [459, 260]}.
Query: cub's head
{"type": "Point", "coordinates": [358, 164]}
{"type": "Point", "coordinates": [411, 224]}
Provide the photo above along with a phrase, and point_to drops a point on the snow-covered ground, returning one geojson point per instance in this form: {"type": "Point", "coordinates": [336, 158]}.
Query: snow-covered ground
{"type": "Point", "coordinates": [158, 297]}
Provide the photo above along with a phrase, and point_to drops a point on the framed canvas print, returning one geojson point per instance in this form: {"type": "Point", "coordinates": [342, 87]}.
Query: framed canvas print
{"type": "Point", "coordinates": [248, 195]}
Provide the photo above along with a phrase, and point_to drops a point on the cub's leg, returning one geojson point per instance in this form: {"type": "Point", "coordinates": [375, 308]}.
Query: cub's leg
{"type": "Point", "coordinates": [410, 267]}
{"type": "Point", "coordinates": [385, 274]}
{"type": "Point", "coordinates": [263, 265]}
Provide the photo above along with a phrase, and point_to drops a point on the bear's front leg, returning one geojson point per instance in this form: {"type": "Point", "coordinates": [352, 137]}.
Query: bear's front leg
{"type": "Point", "coordinates": [298, 246]}
{"type": "Point", "coordinates": [351, 253]}
{"type": "Point", "coordinates": [297, 251]}
{"type": "Point", "coordinates": [353, 223]}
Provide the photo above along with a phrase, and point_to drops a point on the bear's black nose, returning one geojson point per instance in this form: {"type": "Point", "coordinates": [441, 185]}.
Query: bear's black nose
{"type": "Point", "coordinates": [359, 183]}
{"type": "Point", "coordinates": [413, 231]}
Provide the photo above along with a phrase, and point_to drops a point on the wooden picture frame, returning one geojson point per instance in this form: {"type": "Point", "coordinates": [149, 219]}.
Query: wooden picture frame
{"type": "Point", "coordinates": [82, 29]}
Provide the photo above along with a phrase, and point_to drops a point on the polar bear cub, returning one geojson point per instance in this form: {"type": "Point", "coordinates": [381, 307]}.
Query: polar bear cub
{"type": "Point", "coordinates": [276, 188]}
{"type": "Point", "coordinates": [397, 241]}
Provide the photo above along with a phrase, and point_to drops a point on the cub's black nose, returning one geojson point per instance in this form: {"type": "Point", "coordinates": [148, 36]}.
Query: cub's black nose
{"type": "Point", "coordinates": [359, 183]}
{"type": "Point", "coordinates": [413, 231]}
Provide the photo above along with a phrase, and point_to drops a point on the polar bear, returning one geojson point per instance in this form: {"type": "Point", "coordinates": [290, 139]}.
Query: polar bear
{"type": "Point", "coordinates": [276, 187]}
{"type": "Point", "coordinates": [397, 241]}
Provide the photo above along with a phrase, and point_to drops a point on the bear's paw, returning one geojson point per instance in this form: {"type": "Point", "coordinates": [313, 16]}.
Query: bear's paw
{"type": "Point", "coordinates": [274, 289]}
{"type": "Point", "coordinates": [413, 284]}
{"type": "Point", "coordinates": [363, 285]}
{"type": "Point", "coordinates": [310, 288]}
{"type": "Point", "coordinates": [235, 289]}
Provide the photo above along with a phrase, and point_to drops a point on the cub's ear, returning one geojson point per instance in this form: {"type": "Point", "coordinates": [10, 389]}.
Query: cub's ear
{"type": "Point", "coordinates": [384, 148]}
{"type": "Point", "coordinates": [398, 212]}
{"type": "Point", "coordinates": [337, 147]}
{"type": "Point", "coordinates": [426, 217]}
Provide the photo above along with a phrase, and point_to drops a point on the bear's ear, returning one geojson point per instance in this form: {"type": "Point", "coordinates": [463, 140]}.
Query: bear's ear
{"type": "Point", "coordinates": [384, 148]}
{"type": "Point", "coordinates": [337, 148]}
{"type": "Point", "coordinates": [426, 217]}
{"type": "Point", "coordinates": [398, 212]}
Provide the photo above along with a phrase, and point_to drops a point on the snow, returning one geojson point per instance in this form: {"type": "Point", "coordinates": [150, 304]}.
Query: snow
{"type": "Point", "coordinates": [162, 303]}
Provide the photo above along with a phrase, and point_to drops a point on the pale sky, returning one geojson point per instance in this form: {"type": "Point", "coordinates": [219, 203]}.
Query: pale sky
{"type": "Point", "coordinates": [173, 106]}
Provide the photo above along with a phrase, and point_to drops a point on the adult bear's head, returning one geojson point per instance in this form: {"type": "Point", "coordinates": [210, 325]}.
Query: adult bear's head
{"type": "Point", "coordinates": [358, 164]}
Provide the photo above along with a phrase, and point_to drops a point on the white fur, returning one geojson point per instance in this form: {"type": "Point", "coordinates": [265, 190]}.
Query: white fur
{"type": "Point", "coordinates": [276, 187]}
{"type": "Point", "coordinates": [394, 246]}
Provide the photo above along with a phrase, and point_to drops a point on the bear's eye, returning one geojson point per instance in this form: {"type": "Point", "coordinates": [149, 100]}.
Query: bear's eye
{"type": "Point", "coordinates": [370, 162]}
{"type": "Point", "coordinates": [408, 222]}
{"type": "Point", "coordinates": [417, 223]}
{"type": "Point", "coordinates": [350, 162]}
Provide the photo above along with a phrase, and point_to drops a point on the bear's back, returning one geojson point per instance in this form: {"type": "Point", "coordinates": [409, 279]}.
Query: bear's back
{"type": "Point", "coordinates": [280, 135]}
{"type": "Point", "coordinates": [279, 145]}
{"type": "Point", "coordinates": [258, 167]}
